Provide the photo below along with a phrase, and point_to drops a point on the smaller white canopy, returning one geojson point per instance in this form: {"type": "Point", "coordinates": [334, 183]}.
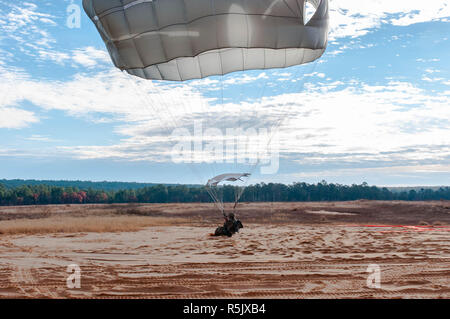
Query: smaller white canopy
{"type": "Point", "coordinates": [231, 177]}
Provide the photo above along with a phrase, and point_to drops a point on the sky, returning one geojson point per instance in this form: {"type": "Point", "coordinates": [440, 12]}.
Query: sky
{"type": "Point", "coordinates": [374, 108]}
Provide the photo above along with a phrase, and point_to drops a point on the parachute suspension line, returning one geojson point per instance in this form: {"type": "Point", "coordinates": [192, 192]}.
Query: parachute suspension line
{"type": "Point", "coordinates": [217, 202]}
{"type": "Point", "coordinates": [280, 121]}
{"type": "Point", "coordinates": [157, 113]}
{"type": "Point", "coordinates": [316, 35]}
{"type": "Point", "coordinates": [260, 98]}
{"type": "Point", "coordinates": [253, 167]}
{"type": "Point", "coordinates": [175, 124]}
{"type": "Point", "coordinates": [239, 190]}
{"type": "Point", "coordinates": [215, 196]}
{"type": "Point", "coordinates": [149, 105]}
{"type": "Point", "coordinates": [222, 112]}
{"type": "Point", "coordinates": [282, 118]}
{"type": "Point", "coordinates": [221, 76]}
{"type": "Point", "coordinates": [235, 152]}
{"type": "Point", "coordinates": [185, 102]}
{"type": "Point", "coordinates": [237, 196]}
{"type": "Point", "coordinates": [216, 114]}
{"type": "Point", "coordinates": [219, 113]}
{"type": "Point", "coordinates": [209, 116]}
{"type": "Point", "coordinates": [146, 101]}
{"type": "Point", "coordinates": [8, 85]}
{"type": "Point", "coordinates": [213, 185]}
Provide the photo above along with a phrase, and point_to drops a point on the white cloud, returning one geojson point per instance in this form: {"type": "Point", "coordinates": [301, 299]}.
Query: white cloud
{"type": "Point", "coordinates": [14, 118]}
{"type": "Point", "coordinates": [335, 122]}
{"type": "Point", "coordinates": [22, 23]}
{"type": "Point", "coordinates": [48, 21]}
{"type": "Point", "coordinates": [400, 170]}
{"type": "Point", "coordinates": [122, 96]}
{"type": "Point", "coordinates": [434, 79]}
{"type": "Point", "coordinates": [354, 18]}
{"type": "Point", "coordinates": [335, 52]}
{"type": "Point", "coordinates": [90, 57]}
{"type": "Point", "coordinates": [57, 57]}
{"type": "Point", "coordinates": [427, 60]}
{"type": "Point", "coordinates": [40, 138]}
{"type": "Point", "coordinates": [394, 122]}
{"type": "Point", "coordinates": [87, 57]}
{"type": "Point", "coordinates": [244, 78]}
{"type": "Point", "coordinates": [318, 74]}
{"type": "Point", "coordinates": [430, 70]}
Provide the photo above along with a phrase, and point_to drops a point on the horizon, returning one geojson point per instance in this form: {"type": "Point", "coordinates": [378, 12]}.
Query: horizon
{"type": "Point", "coordinates": [373, 108]}
{"type": "Point", "coordinates": [42, 181]}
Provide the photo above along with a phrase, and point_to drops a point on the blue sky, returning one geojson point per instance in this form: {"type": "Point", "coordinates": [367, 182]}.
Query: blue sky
{"type": "Point", "coordinates": [374, 108]}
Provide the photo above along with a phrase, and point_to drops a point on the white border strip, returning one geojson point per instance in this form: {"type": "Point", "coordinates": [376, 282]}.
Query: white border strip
{"type": "Point", "coordinates": [125, 7]}
{"type": "Point", "coordinates": [135, 3]}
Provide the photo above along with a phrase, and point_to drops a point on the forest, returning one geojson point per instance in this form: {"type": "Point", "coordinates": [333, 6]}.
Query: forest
{"type": "Point", "coordinates": [44, 194]}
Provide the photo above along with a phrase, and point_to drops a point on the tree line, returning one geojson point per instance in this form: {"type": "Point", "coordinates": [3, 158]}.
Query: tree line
{"type": "Point", "coordinates": [323, 191]}
{"type": "Point", "coordinates": [13, 183]}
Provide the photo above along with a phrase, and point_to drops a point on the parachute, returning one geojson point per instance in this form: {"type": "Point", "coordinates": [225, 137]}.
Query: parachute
{"type": "Point", "coordinates": [212, 187]}
{"type": "Point", "coordinates": [189, 39]}
{"type": "Point", "coordinates": [226, 177]}
{"type": "Point", "coordinates": [178, 41]}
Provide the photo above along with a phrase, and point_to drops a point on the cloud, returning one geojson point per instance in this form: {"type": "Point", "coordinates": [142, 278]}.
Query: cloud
{"type": "Point", "coordinates": [245, 78]}
{"type": "Point", "coordinates": [318, 74]}
{"type": "Point", "coordinates": [90, 57]}
{"type": "Point", "coordinates": [372, 123]}
{"type": "Point", "coordinates": [326, 123]}
{"type": "Point", "coordinates": [110, 92]}
{"type": "Point", "coordinates": [57, 57]}
{"type": "Point", "coordinates": [25, 25]}
{"type": "Point", "coordinates": [39, 138]}
{"type": "Point", "coordinates": [355, 18]}
{"type": "Point", "coordinates": [330, 123]}
{"type": "Point", "coordinates": [432, 79]}
{"type": "Point", "coordinates": [14, 118]}
{"type": "Point", "coordinates": [419, 173]}
{"type": "Point", "coordinates": [87, 57]}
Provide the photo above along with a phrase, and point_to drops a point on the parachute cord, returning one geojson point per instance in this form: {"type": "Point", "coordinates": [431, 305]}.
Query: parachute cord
{"type": "Point", "coordinates": [283, 118]}
{"type": "Point", "coordinates": [212, 196]}
{"type": "Point", "coordinates": [167, 110]}
{"type": "Point", "coordinates": [275, 128]}
{"type": "Point", "coordinates": [9, 84]}
{"type": "Point", "coordinates": [215, 197]}
{"type": "Point", "coordinates": [217, 202]}
{"type": "Point", "coordinates": [149, 105]}
{"type": "Point", "coordinates": [254, 112]}
{"type": "Point", "coordinates": [238, 197]}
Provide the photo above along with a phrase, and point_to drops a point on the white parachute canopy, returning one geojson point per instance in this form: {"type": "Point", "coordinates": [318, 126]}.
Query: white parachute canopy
{"type": "Point", "coordinates": [181, 40]}
{"type": "Point", "coordinates": [213, 191]}
{"type": "Point", "coordinates": [232, 177]}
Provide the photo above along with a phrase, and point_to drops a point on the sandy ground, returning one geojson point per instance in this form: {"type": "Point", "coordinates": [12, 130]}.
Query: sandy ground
{"type": "Point", "coordinates": [286, 250]}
